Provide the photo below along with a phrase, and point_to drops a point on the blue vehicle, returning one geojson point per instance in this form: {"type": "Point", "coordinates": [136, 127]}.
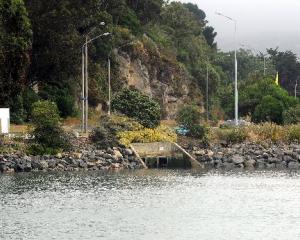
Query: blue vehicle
{"type": "Point", "coordinates": [181, 130]}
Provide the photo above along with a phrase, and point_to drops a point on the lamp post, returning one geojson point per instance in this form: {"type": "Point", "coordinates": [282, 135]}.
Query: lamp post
{"type": "Point", "coordinates": [236, 111]}
{"type": "Point", "coordinates": [85, 87]}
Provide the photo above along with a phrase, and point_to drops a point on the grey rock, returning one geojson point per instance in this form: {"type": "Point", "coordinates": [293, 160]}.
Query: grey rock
{"type": "Point", "coordinates": [236, 159]}
{"type": "Point", "coordinates": [294, 165]}
{"type": "Point", "coordinates": [270, 165]}
{"type": "Point", "coordinates": [82, 164]}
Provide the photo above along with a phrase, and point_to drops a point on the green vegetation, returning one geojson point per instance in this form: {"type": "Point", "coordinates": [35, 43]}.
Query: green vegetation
{"type": "Point", "coordinates": [40, 44]}
{"type": "Point", "coordinates": [189, 117]}
{"type": "Point", "coordinates": [106, 134]}
{"type": "Point", "coordinates": [292, 115]}
{"type": "Point", "coordinates": [134, 104]}
{"type": "Point", "coordinates": [260, 133]}
{"type": "Point", "coordinates": [49, 137]}
{"type": "Point", "coordinates": [119, 130]}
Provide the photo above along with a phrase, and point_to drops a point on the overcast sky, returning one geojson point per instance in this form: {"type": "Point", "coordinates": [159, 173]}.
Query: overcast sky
{"type": "Point", "coordinates": [261, 23]}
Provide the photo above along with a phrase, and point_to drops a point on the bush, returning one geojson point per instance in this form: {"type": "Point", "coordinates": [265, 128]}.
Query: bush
{"type": "Point", "coordinates": [266, 132]}
{"type": "Point", "coordinates": [270, 110]}
{"type": "Point", "coordinates": [231, 136]}
{"type": "Point", "coordinates": [292, 115]}
{"type": "Point", "coordinates": [160, 134]}
{"type": "Point", "coordinates": [188, 116]}
{"type": "Point", "coordinates": [198, 131]}
{"type": "Point", "coordinates": [293, 133]}
{"type": "Point", "coordinates": [135, 105]}
{"type": "Point", "coordinates": [106, 135]}
{"type": "Point", "coordinates": [62, 97]}
{"type": "Point", "coordinates": [49, 137]}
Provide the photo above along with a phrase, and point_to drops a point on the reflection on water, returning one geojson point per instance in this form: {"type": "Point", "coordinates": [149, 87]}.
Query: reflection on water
{"type": "Point", "coordinates": [151, 204]}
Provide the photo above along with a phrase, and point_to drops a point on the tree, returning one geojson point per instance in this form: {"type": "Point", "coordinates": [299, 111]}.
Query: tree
{"type": "Point", "coordinates": [288, 67]}
{"type": "Point", "coordinates": [292, 115]}
{"type": "Point", "coordinates": [49, 137]}
{"type": "Point", "coordinates": [188, 116]}
{"type": "Point", "coordinates": [146, 10]}
{"type": "Point", "coordinates": [136, 105]}
{"type": "Point", "coordinates": [15, 45]}
{"type": "Point", "coordinates": [264, 100]}
{"type": "Point", "coordinates": [269, 110]}
{"type": "Point", "coordinates": [210, 35]}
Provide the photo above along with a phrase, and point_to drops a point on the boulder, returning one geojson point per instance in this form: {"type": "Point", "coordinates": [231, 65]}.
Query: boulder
{"type": "Point", "coordinates": [294, 165]}
{"type": "Point", "coordinates": [236, 159]}
{"type": "Point", "coordinates": [250, 163]}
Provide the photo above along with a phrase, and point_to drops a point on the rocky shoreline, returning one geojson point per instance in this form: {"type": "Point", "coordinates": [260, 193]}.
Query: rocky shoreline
{"type": "Point", "coordinates": [218, 156]}
{"type": "Point", "coordinates": [86, 160]}
{"type": "Point", "coordinates": [249, 156]}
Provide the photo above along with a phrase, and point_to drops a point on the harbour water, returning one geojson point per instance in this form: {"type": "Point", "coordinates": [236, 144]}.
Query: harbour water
{"type": "Point", "coordinates": [151, 205]}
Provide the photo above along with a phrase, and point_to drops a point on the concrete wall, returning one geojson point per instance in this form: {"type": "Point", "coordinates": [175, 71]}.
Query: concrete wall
{"type": "Point", "coordinates": [170, 150]}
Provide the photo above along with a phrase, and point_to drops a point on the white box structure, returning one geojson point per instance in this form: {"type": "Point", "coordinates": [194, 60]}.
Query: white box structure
{"type": "Point", "coordinates": [4, 120]}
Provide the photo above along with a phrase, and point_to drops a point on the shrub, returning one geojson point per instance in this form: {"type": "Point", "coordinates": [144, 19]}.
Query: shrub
{"type": "Point", "coordinates": [147, 135]}
{"type": "Point", "coordinates": [49, 137]}
{"type": "Point", "coordinates": [135, 105]}
{"type": "Point", "coordinates": [270, 109]}
{"type": "Point", "coordinates": [198, 131]}
{"type": "Point", "coordinates": [231, 136]}
{"type": "Point", "coordinates": [106, 135]}
{"type": "Point", "coordinates": [267, 132]}
{"type": "Point", "coordinates": [188, 116]}
{"type": "Point", "coordinates": [293, 133]}
{"type": "Point", "coordinates": [292, 115]}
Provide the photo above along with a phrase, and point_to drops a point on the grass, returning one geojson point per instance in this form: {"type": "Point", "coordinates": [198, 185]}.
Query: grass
{"type": "Point", "coordinates": [261, 133]}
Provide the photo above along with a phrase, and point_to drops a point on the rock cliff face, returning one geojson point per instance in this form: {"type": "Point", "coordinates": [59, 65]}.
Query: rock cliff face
{"type": "Point", "coordinates": [157, 76]}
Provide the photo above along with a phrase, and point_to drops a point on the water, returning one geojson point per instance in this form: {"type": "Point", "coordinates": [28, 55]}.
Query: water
{"type": "Point", "coordinates": [151, 205]}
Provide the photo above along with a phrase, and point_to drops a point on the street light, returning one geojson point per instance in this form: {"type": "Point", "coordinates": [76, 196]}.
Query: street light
{"type": "Point", "coordinates": [85, 88]}
{"type": "Point", "coordinates": [236, 112]}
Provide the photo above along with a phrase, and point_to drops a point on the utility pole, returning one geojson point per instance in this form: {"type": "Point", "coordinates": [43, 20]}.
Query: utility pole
{"type": "Point", "coordinates": [109, 87]}
{"type": "Point", "coordinates": [83, 92]}
{"type": "Point", "coordinates": [207, 98]}
{"type": "Point", "coordinates": [86, 87]}
{"type": "Point", "coordinates": [236, 94]}
{"type": "Point", "coordinates": [296, 86]}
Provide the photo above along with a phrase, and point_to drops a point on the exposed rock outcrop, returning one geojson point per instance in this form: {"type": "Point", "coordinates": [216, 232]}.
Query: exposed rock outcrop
{"type": "Point", "coordinates": [157, 76]}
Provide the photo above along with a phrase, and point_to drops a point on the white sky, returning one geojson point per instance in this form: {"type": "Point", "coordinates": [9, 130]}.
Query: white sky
{"type": "Point", "coordinates": [261, 23]}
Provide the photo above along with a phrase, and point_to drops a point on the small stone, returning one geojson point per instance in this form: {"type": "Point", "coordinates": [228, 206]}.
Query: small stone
{"type": "Point", "coordinates": [128, 151]}
{"type": "Point", "coordinates": [60, 167]}
{"type": "Point", "coordinates": [77, 155]}
{"type": "Point", "coordinates": [115, 165]}
{"type": "Point", "coordinates": [210, 153]}
{"type": "Point", "coordinates": [59, 156]}
{"type": "Point", "coordinates": [118, 154]}
{"type": "Point", "coordinates": [250, 163]}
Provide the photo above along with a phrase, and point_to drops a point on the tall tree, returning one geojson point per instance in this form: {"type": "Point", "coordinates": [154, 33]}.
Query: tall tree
{"type": "Point", "coordinates": [287, 65]}
{"type": "Point", "coordinates": [15, 45]}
